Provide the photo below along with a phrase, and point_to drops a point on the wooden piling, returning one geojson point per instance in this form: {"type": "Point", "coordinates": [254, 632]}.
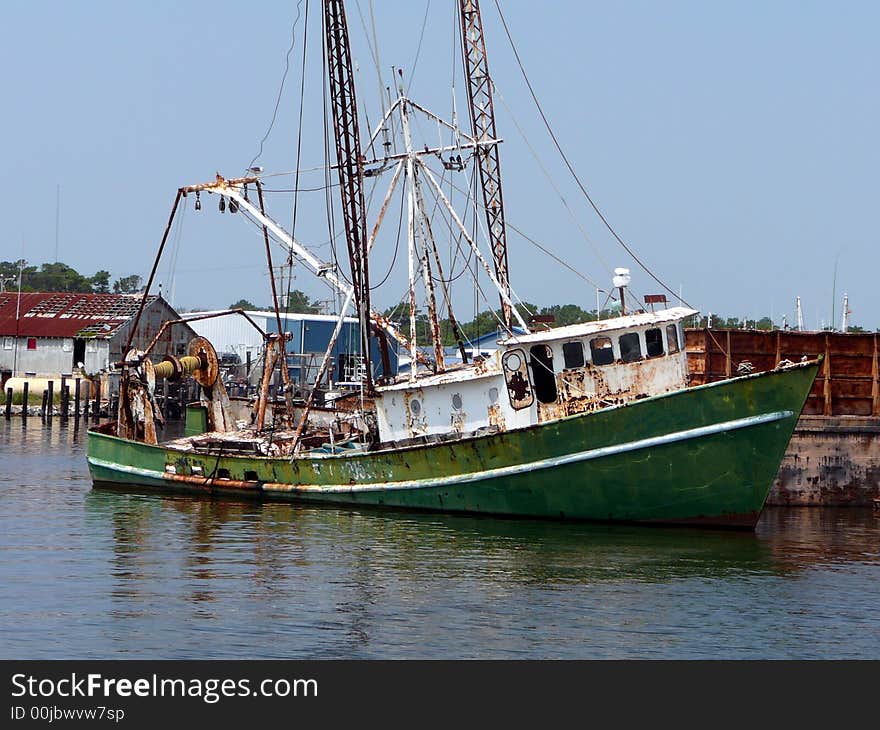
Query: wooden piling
{"type": "Point", "coordinates": [96, 409]}
{"type": "Point", "coordinates": [43, 405]}
{"type": "Point", "coordinates": [24, 401]}
{"type": "Point", "coordinates": [65, 401]}
{"type": "Point", "coordinates": [50, 400]}
{"type": "Point", "coordinates": [8, 403]}
{"type": "Point", "coordinates": [827, 384]}
{"type": "Point", "coordinates": [76, 394]}
{"type": "Point", "coordinates": [875, 382]}
{"type": "Point", "coordinates": [727, 361]}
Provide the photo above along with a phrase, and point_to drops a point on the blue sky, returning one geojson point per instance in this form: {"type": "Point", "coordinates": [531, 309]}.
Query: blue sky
{"type": "Point", "coordinates": [734, 146]}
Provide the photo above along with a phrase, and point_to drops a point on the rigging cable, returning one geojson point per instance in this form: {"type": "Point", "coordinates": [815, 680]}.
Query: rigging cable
{"type": "Point", "coordinates": [373, 48]}
{"type": "Point", "coordinates": [175, 252]}
{"type": "Point", "coordinates": [418, 49]}
{"type": "Point", "coordinates": [299, 134]}
{"type": "Point", "coordinates": [396, 244]}
{"type": "Point", "coordinates": [539, 246]}
{"type": "Point", "coordinates": [281, 87]}
{"type": "Point", "coordinates": [547, 175]}
{"type": "Point", "coordinates": [568, 164]}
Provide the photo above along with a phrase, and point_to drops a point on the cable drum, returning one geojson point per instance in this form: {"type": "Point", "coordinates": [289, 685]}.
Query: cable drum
{"type": "Point", "coordinates": [209, 368]}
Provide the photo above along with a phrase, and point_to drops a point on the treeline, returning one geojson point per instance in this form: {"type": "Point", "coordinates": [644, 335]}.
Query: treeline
{"type": "Point", "coordinates": [63, 278]}
{"type": "Point", "coordinates": [556, 315]}
{"type": "Point", "coordinates": [718, 321]}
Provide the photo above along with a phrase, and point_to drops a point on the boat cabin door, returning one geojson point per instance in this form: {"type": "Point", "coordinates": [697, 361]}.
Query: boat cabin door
{"type": "Point", "coordinates": [541, 360]}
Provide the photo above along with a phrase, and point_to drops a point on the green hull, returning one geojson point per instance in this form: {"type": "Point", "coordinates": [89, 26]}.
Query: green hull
{"type": "Point", "coordinates": [706, 455]}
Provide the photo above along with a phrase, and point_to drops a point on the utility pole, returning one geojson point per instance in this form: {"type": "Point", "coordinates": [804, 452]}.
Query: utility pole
{"type": "Point", "coordinates": [57, 218]}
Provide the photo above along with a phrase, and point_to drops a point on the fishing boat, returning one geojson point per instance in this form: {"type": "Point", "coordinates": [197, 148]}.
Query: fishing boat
{"type": "Point", "coordinates": [591, 421]}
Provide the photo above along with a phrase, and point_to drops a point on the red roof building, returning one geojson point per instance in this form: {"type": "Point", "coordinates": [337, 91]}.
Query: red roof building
{"type": "Point", "coordinates": [49, 333]}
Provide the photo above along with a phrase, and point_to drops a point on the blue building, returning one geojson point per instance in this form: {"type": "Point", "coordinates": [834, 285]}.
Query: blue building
{"type": "Point", "coordinates": [310, 334]}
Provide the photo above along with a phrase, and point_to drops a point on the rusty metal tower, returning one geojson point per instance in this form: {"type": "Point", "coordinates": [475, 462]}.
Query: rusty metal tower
{"type": "Point", "coordinates": [350, 164]}
{"type": "Point", "coordinates": [482, 111]}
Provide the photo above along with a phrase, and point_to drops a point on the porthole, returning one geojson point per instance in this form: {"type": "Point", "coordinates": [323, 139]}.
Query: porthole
{"type": "Point", "coordinates": [456, 401]}
{"type": "Point", "coordinates": [415, 406]}
{"type": "Point", "coordinates": [512, 361]}
{"type": "Point", "coordinates": [493, 395]}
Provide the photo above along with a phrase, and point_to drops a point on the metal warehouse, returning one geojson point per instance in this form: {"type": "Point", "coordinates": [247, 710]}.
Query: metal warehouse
{"type": "Point", "coordinates": [310, 334]}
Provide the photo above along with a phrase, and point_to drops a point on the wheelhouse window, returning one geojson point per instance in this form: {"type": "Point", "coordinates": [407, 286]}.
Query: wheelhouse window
{"type": "Point", "coordinates": [672, 338]}
{"type": "Point", "coordinates": [630, 347]}
{"type": "Point", "coordinates": [541, 360]}
{"type": "Point", "coordinates": [601, 352]}
{"type": "Point", "coordinates": [573, 355]}
{"type": "Point", "coordinates": [654, 342]}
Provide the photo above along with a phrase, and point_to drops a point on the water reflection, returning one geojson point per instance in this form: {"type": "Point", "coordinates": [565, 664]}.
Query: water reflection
{"type": "Point", "coordinates": [277, 536]}
{"type": "Point", "coordinates": [114, 574]}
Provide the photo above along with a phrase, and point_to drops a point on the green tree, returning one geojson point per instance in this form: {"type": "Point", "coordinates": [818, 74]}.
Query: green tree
{"type": "Point", "coordinates": [298, 302]}
{"type": "Point", "coordinates": [9, 274]}
{"type": "Point", "coordinates": [56, 277]}
{"type": "Point", "coordinates": [127, 285]}
{"type": "Point", "coordinates": [100, 282]}
{"type": "Point", "coordinates": [243, 304]}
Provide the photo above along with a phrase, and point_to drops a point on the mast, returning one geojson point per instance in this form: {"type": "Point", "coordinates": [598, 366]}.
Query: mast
{"type": "Point", "coordinates": [483, 120]}
{"type": "Point", "coordinates": [417, 217]}
{"type": "Point", "coordinates": [349, 160]}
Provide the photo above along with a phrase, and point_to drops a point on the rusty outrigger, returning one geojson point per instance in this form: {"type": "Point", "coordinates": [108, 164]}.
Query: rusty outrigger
{"type": "Point", "coordinates": [592, 421]}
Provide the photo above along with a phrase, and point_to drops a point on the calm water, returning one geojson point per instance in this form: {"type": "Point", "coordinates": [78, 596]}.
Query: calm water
{"type": "Point", "coordinates": [97, 574]}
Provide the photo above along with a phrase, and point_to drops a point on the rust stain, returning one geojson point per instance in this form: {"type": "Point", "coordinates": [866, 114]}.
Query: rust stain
{"type": "Point", "coordinates": [496, 417]}
{"type": "Point", "coordinates": [586, 389]}
{"type": "Point", "coordinates": [830, 461]}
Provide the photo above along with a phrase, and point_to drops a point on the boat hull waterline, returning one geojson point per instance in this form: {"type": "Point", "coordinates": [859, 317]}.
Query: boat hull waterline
{"type": "Point", "coordinates": [706, 455]}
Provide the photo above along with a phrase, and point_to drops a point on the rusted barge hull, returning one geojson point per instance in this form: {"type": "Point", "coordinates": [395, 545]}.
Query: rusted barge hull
{"type": "Point", "coordinates": [833, 458]}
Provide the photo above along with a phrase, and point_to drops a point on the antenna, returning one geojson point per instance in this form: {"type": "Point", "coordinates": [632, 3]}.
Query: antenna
{"type": "Point", "coordinates": [57, 217]}
{"type": "Point", "coordinates": [834, 292]}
